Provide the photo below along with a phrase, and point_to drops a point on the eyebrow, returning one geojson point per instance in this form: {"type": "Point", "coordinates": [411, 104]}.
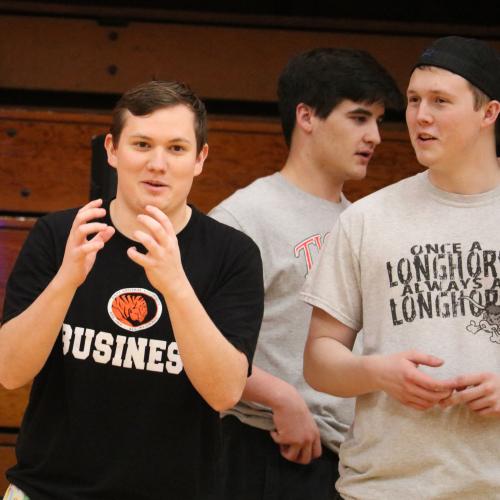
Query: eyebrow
{"type": "Point", "coordinates": [432, 91]}
{"type": "Point", "coordinates": [360, 111]}
{"type": "Point", "coordinates": [365, 112]}
{"type": "Point", "coordinates": [147, 137]}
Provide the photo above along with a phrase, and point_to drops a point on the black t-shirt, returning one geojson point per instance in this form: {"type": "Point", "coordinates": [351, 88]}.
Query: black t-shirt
{"type": "Point", "coordinates": [112, 415]}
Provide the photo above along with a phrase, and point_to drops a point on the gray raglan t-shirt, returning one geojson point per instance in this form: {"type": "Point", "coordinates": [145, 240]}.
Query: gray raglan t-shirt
{"type": "Point", "coordinates": [418, 268]}
{"type": "Point", "coordinates": [289, 226]}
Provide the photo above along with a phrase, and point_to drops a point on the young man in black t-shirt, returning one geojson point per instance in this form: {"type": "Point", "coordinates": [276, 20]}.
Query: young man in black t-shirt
{"type": "Point", "coordinates": [135, 318]}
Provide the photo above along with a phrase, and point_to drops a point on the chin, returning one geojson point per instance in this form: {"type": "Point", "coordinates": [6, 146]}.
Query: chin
{"type": "Point", "coordinates": [426, 161]}
{"type": "Point", "coordinates": [357, 175]}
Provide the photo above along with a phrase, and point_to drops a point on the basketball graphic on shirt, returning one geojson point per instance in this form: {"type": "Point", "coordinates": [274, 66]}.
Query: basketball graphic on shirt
{"type": "Point", "coordinates": [134, 309]}
{"type": "Point", "coordinates": [130, 309]}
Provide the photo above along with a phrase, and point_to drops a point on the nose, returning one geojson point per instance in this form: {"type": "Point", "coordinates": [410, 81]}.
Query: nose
{"type": "Point", "coordinates": [157, 159]}
{"type": "Point", "coordinates": [423, 114]}
{"type": "Point", "coordinates": [372, 135]}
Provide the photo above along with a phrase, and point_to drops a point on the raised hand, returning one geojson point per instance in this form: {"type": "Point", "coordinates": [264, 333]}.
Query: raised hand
{"type": "Point", "coordinates": [162, 262]}
{"type": "Point", "coordinates": [80, 252]}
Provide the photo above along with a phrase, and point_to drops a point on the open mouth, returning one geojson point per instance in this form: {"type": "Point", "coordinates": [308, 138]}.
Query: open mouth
{"type": "Point", "coordinates": [154, 183]}
{"type": "Point", "coordinates": [425, 137]}
{"type": "Point", "coordinates": [365, 154]}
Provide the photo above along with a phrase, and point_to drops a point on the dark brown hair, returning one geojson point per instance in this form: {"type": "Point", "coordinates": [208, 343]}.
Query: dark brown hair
{"type": "Point", "coordinates": [157, 94]}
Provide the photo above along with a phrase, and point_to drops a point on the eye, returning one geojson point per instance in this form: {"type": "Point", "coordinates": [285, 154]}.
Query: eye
{"type": "Point", "coordinates": [359, 119]}
{"type": "Point", "coordinates": [141, 144]}
{"type": "Point", "coordinates": [413, 99]}
{"type": "Point", "coordinates": [440, 100]}
{"type": "Point", "coordinates": [177, 148]}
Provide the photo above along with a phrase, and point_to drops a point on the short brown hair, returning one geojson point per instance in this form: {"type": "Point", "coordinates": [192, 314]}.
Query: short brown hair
{"type": "Point", "coordinates": [157, 94]}
{"type": "Point", "coordinates": [480, 98]}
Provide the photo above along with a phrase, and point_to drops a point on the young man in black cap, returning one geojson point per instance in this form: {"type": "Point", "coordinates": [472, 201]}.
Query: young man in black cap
{"type": "Point", "coordinates": [136, 318]}
{"type": "Point", "coordinates": [417, 267]}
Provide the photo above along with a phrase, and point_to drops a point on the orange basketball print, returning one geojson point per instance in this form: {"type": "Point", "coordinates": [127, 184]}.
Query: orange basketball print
{"type": "Point", "coordinates": [134, 309]}
{"type": "Point", "coordinates": [130, 309]}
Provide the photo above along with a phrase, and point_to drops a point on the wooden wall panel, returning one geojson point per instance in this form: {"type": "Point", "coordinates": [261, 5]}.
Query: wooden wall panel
{"type": "Point", "coordinates": [12, 406]}
{"type": "Point", "coordinates": [239, 153]}
{"type": "Point", "coordinates": [45, 159]}
{"type": "Point", "coordinates": [45, 164]}
{"type": "Point", "coordinates": [219, 62]}
{"type": "Point", "coordinates": [12, 236]}
{"type": "Point", "coordinates": [7, 458]}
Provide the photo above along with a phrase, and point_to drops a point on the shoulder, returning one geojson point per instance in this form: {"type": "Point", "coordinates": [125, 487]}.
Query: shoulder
{"type": "Point", "coordinates": [225, 237]}
{"type": "Point", "coordinates": [250, 197]}
{"type": "Point", "coordinates": [56, 225]}
{"type": "Point", "coordinates": [389, 197]}
{"type": "Point", "coordinates": [222, 250]}
{"type": "Point", "coordinates": [62, 218]}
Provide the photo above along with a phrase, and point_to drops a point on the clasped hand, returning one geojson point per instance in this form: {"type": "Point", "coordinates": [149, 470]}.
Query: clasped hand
{"type": "Point", "coordinates": [400, 378]}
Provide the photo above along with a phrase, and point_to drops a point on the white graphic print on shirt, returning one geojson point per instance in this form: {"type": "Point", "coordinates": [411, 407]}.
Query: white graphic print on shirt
{"type": "Point", "coordinates": [134, 310]}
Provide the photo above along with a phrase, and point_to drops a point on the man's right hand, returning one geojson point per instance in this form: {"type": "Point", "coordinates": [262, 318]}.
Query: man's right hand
{"type": "Point", "coordinates": [296, 431]}
{"type": "Point", "coordinates": [398, 375]}
{"type": "Point", "coordinates": [80, 253]}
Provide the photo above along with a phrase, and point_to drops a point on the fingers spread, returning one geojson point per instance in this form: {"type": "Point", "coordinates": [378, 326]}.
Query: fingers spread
{"type": "Point", "coordinates": [139, 258]}
{"type": "Point", "coordinates": [84, 216]}
{"type": "Point", "coordinates": [160, 217]}
{"type": "Point", "coordinates": [146, 240]}
{"type": "Point", "coordinates": [155, 228]}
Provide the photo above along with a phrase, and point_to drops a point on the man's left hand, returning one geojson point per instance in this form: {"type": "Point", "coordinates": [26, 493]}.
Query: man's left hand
{"type": "Point", "coordinates": [479, 391]}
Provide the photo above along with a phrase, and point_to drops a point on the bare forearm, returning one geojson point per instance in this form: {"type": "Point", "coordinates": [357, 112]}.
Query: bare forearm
{"type": "Point", "coordinates": [331, 367]}
{"type": "Point", "coordinates": [266, 389]}
{"type": "Point", "coordinates": [214, 366]}
{"type": "Point", "coordinates": [27, 340]}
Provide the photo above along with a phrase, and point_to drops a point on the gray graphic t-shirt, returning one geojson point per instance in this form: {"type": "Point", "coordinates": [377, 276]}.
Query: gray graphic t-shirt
{"type": "Point", "coordinates": [418, 268]}
{"type": "Point", "coordinates": [290, 227]}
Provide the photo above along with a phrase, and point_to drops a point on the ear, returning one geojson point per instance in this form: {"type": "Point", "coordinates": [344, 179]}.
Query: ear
{"type": "Point", "coordinates": [304, 115]}
{"type": "Point", "coordinates": [110, 150]}
{"type": "Point", "coordinates": [200, 160]}
{"type": "Point", "coordinates": [490, 113]}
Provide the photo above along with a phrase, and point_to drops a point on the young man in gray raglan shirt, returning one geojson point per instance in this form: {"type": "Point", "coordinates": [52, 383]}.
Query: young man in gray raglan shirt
{"type": "Point", "coordinates": [417, 266]}
{"type": "Point", "coordinates": [282, 439]}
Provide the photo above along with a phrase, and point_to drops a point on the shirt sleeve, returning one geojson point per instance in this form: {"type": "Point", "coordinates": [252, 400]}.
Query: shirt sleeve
{"type": "Point", "coordinates": [34, 269]}
{"type": "Point", "coordinates": [334, 282]}
{"type": "Point", "coordinates": [237, 305]}
{"type": "Point", "coordinates": [220, 214]}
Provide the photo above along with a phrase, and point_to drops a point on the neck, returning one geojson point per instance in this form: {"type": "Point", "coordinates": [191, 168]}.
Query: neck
{"type": "Point", "coordinates": [124, 218]}
{"type": "Point", "coordinates": [474, 177]}
{"type": "Point", "coordinates": [307, 177]}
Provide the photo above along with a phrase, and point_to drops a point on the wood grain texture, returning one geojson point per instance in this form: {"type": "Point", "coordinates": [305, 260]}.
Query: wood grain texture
{"type": "Point", "coordinates": [45, 159]}
{"type": "Point", "coordinates": [12, 406]}
{"type": "Point", "coordinates": [7, 460]}
{"type": "Point", "coordinates": [50, 154]}
{"type": "Point", "coordinates": [11, 240]}
{"type": "Point", "coordinates": [219, 62]}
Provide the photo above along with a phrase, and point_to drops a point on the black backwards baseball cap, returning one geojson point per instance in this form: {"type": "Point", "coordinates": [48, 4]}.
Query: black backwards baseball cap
{"type": "Point", "coordinates": [472, 59]}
